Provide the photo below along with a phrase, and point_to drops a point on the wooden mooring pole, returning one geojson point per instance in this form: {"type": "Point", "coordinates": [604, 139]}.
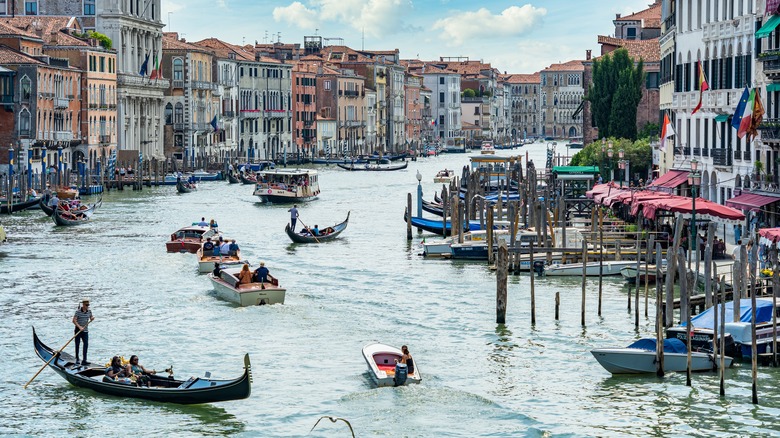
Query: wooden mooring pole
{"type": "Point", "coordinates": [601, 252]}
{"type": "Point", "coordinates": [409, 216]}
{"type": "Point", "coordinates": [584, 272]}
{"type": "Point", "coordinates": [533, 292]}
{"type": "Point", "coordinates": [659, 323]}
{"type": "Point", "coordinates": [501, 280]}
{"type": "Point", "coordinates": [753, 347]}
{"type": "Point", "coordinates": [557, 305]}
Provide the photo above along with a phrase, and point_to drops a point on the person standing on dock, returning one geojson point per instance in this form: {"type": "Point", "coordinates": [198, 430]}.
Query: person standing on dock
{"type": "Point", "coordinates": [736, 251]}
{"type": "Point", "coordinates": [81, 318]}
{"type": "Point", "coordinates": [293, 216]}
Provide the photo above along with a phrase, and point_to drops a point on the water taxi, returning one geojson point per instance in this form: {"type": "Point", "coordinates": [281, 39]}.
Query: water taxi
{"type": "Point", "coordinates": [229, 288]}
{"type": "Point", "coordinates": [383, 366]}
{"type": "Point", "coordinates": [444, 176]}
{"type": "Point", "coordinates": [287, 185]}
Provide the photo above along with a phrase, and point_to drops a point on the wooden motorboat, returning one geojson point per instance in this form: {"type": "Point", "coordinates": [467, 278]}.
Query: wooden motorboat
{"type": "Point", "coordinates": [232, 178]}
{"type": "Point", "coordinates": [251, 294]}
{"type": "Point", "coordinates": [18, 205]}
{"type": "Point", "coordinates": [640, 358]}
{"type": "Point", "coordinates": [206, 262]}
{"type": "Point", "coordinates": [325, 235]}
{"type": "Point", "coordinates": [444, 176]}
{"type": "Point", "coordinates": [373, 167]}
{"type": "Point", "coordinates": [194, 390]}
{"type": "Point", "coordinates": [279, 186]}
{"type": "Point", "coordinates": [202, 175]}
{"type": "Point", "coordinates": [487, 148]}
{"type": "Point", "coordinates": [185, 187]}
{"type": "Point", "coordinates": [631, 274]}
{"type": "Point", "coordinates": [189, 239]}
{"type": "Point", "coordinates": [591, 269]}
{"type": "Point", "coordinates": [382, 368]}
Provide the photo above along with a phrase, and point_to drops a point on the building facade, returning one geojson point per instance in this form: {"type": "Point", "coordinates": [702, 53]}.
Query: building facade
{"type": "Point", "coordinates": [561, 95]}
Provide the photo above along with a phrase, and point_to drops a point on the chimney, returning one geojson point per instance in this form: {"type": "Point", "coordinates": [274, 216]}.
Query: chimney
{"type": "Point", "coordinates": [587, 55]}
{"type": "Point", "coordinates": [617, 16]}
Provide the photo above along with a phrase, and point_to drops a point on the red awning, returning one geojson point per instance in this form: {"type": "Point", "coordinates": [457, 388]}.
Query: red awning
{"type": "Point", "coordinates": [705, 210]}
{"type": "Point", "coordinates": [671, 179]}
{"type": "Point", "coordinates": [599, 189]}
{"type": "Point", "coordinates": [751, 201]}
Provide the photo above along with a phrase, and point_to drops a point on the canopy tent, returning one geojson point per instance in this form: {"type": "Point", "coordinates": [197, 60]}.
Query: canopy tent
{"type": "Point", "coordinates": [769, 236]}
{"type": "Point", "coordinates": [599, 189]}
{"type": "Point", "coordinates": [751, 201]}
{"type": "Point", "coordinates": [705, 210]}
{"type": "Point", "coordinates": [615, 196]}
{"type": "Point", "coordinates": [640, 197]}
{"type": "Point", "coordinates": [670, 180]}
{"type": "Point", "coordinates": [769, 26]}
{"type": "Point", "coordinates": [576, 170]}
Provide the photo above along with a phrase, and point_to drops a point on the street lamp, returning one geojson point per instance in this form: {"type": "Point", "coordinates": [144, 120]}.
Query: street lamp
{"type": "Point", "coordinates": [609, 155]}
{"type": "Point", "coordinates": [622, 166]}
{"type": "Point", "coordinates": [419, 194]}
{"type": "Point", "coordinates": [694, 179]}
{"type": "Point", "coordinates": [603, 152]}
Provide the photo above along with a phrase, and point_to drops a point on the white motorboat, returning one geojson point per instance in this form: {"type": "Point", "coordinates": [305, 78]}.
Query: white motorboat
{"type": "Point", "coordinates": [444, 176]}
{"type": "Point", "coordinates": [640, 357]}
{"type": "Point", "coordinates": [250, 294]}
{"type": "Point", "coordinates": [287, 185]}
{"type": "Point", "coordinates": [206, 262]}
{"type": "Point", "coordinates": [591, 268]}
{"type": "Point", "coordinates": [383, 369]}
{"type": "Point", "coordinates": [442, 248]}
{"type": "Point", "coordinates": [487, 148]}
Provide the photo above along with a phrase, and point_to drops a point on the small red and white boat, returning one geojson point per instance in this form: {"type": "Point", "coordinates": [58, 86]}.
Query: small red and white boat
{"type": "Point", "coordinates": [383, 369]}
{"type": "Point", "coordinates": [189, 239]}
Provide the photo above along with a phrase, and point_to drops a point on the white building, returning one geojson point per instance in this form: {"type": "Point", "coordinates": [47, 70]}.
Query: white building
{"type": "Point", "coordinates": [370, 111]}
{"type": "Point", "coordinates": [445, 103]}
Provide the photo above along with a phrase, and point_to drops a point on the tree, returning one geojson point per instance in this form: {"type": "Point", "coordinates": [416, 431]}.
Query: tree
{"type": "Point", "coordinates": [638, 153]}
{"type": "Point", "coordinates": [615, 93]}
{"type": "Point", "coordinates": [468, 92]}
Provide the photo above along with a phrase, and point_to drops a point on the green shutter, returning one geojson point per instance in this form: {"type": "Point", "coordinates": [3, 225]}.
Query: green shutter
{"type": "Point", "coordinates": [722, 118]}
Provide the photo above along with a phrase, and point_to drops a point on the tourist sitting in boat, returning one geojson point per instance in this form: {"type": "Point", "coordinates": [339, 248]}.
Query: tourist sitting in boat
{"type": "Point", "coordinates": [136, 370]}
{"type": "Point", "coordinates": [203, 222]}
{"type": "Point", "coordinates": [224, 248]}
{"type": "Point", "coordinates": [245, 276]}
{"type": "Point", "coordinates": [213, 224]}
{"type": "Point", "coordinates": [217, 272]}
{"type": "Point", "coordinates": [233, 248]}
{"type": "Point", "coordinates": [208, 245]}
{"type": "Point", "coordinates": [261, 274]}
{"type": "Point", "coordinates": [407, 359]}
{"type": "Point", "coordinates": [316, 230]}
{"type": "Point", "coordinates": [116, 371]}
{"type": "Point", "coordinates": [216, 250]}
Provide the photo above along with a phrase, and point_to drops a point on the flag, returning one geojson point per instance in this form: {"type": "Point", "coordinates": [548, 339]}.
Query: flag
{"type": "Point", "coordinates": [756, 116]}
{"type": "Point", "coordinates": [744, 113]}
{"type": "Point", "coordinates": [156, 70]}
{"type": "Point", "coordinates": [144, 66]}
{"type": "Point", "coordinates": [433, 122]}
{"type": "Point", "coordinates": [666, 131]}
{"type": "Point", "coordinates": [703, 86]}
{"type": "Point", "coordinates": [214, 124]}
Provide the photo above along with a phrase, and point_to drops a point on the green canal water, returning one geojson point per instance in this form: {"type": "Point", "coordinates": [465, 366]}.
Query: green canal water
{"type": "Point", "coordinates": [480, 379]}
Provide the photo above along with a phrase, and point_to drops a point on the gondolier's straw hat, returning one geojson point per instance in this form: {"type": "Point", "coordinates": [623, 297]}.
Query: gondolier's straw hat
{"type": "Point", "coordinates": [85, 300]}
{"type": "Point", "coordinates": [262, 263]}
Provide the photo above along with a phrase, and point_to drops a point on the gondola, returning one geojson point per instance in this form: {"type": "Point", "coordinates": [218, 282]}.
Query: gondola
{"type": "Point", "coordinates": [194, 390]}
{"type": "Point", "coordinates": [45, 206]}
{"type": "Point", "coordinates": [184, 187]}
{"type": "Point", "coordinates": [433, 207]}
{"type": "Point", "coordinates": [248, 178]}
{"type": "Point", "coordinates": [18, 205]}
{"type": "Point", "coordinates": [303, 238]}
{"type": "Point", "coordinates": [63, 221]}
{"type": "Point", "coordinates": [232, 178]}
{"type": "Point", "coordinates": [373, 168]}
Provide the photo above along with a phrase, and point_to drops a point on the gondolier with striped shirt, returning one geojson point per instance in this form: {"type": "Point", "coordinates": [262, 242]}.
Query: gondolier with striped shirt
{"type": "Point", "coordinates": [82, 317]}
{"type": "Point", "coordinates": [293, 216]}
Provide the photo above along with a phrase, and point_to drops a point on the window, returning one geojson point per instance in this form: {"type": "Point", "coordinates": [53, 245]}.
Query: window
{"type": "Point", "coordinates": [168, 114]}
{"type": "Point", "coordinates": [326, 84]}
{"type": "Point", "coordinates": [631, 33]}
{"type": "Point", "coordinates": [24, 122]}
{"type": "Point", "coordinates": [651, 81]}
{"type": "Point", "coordinates": [31, 8]}
{"type": "Point", "coordinates": [178, 115]}
{"type": "Point", "coordinates": [178, 69]}
{"type": "Point", "coordinates": [441, 80]}
{"type": "Point", "coordinates": [89, 7]}
{"type": "Point", "coordinates": [441, 120]}
{"type": "Point", "coordinates": [102, 64]}
{"type": "Point", "coordinates": [3, 7]}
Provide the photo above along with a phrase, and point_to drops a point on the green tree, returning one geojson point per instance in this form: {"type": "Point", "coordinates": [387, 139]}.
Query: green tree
{"type": "Point", "coordinates": [615, 93]}
{"type": "Point", "coordinates": [468, 92]}
{"type": "Point", "coordinates": [650, 131]}
{"type": "Point", "coordinates": [638, 153]}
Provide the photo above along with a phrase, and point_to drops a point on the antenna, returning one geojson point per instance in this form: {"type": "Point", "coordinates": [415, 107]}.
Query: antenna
{"type": "Point", "coordinates": [265, 38]}
{"type": "Point", "coordinates": [278, 37]}
{"type": "Point", "coordinates": [316, 31]}
{"type": "Point", "coordinates": [363, 38]}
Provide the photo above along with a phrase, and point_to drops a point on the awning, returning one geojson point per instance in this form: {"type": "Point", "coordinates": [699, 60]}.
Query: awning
{"type": "Point", "coordinates": [576, 170]}
{"type": "Point", "coordinates": [671, 179]}
{"type": "Point", "coordinates": [705, 210]}
{"type": "Point", "coordinates": [772, 87]}
{"type": "Point", "coordinates": [722, 118]}
{"type": "Point", "coordinates": [768, 27]}
{"type": "Point", "coordinates": [750, 201]}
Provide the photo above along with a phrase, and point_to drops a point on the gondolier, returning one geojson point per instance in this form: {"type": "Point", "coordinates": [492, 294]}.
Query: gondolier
{"type": "Point", "coordinates": [293, 216]}
{"type": "Point", "coordinates": [81, 319]}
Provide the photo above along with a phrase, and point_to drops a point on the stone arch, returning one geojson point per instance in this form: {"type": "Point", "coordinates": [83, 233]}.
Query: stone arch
{"type": "Point", "coordinates": [714, 186]}
{"type": "Point", "coordinates": [746, 182]}
{"type": "Point", "coordinates": [738, 181]}
{"type": "Point", "coordinates": [705, 184]}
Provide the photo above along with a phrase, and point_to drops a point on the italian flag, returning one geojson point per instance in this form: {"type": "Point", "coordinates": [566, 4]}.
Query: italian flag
{"type": "Point", "coordinates": [156, 73]}
{"type": "Point", "coordinates": [703, 86]}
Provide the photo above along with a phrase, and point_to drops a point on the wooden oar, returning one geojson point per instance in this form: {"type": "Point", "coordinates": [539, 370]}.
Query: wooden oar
{"type": "Point", "coordinates": [57, 353]}
{"type": "Point", "coordinates": [310, 230]}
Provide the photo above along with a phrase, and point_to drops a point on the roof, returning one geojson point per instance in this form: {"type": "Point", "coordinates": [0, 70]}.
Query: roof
{"type": "Point", "coordinates": [222, 49]}
{"type": "Point", "coordinates": [575, 65]}
{"type": "Point", "coordinates": [31, 24]}
{"type": "Point", "coordinates": [647, 50]}
{"type": "Point", "coordinates": [171, 41]}
{"type": "Point", "coordinates": [533, 78]}
{"type": "Point", "coordinates": [10, 56]}
{"type": "Point", "coordinates": [650, 17]}
{"type": "Point", "coordinates": [7, 28]}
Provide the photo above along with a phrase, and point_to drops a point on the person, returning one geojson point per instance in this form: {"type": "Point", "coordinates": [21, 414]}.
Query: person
{"type": "Point", "coordinates": [217, 272]}
{"type": "Point", "coordinates": [116, 370]}
{"type": "Point", "coordinates": [203, 222]}
{"type": "Point", "coordinates": [215, 251]}
{"type": "Point", "coordinates": [750, 251]}
{"type": "Point", "coordinates": [224, 248]}
{"type": "Point", "coordinates": [233, 248]}
{"type": "Point", "coordinates": [81, 319]}
{"type": "Point", "coordinates": [54, 200]}
{"type": "Point", "coordinates": [208, 246]}
{"type": "Point", "coordinates": [735, 253]}
{"type": "Point", "coordinates": [138, 371]}
{"type": "Point", "coordinates": [261, 274]}
{"type": "Point", "coordinates": [245, 276]}
{"type": "Point", "coordinates": [407, 359]}
{"type": "Point", "coordinates": [213, 224]}
{"type": "Point", "coordinates": [293, 216]}
{"type": "Point", "coordinates": [737, 234]}
{"type": "Point", "coordinates": [316, 230]}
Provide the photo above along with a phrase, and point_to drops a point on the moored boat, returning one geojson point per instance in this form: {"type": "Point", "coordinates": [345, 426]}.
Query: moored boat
{"type": "Point", "coordinates": [251, 294]}
{"type": "Point", "coordinates": [326, 234]}
{"type": "Point", "coordinates": [383, 369]}
{"type": "Point", "coordinates": [444, 176]}
{"type": "Point", "coordinates": [280, 186]}
{"type": "Point", "coordinates": [374, 167]}
{"type": "Point", "coordinates": [202, 175]}
{"type": "Point", "coordinates": [189, 239]}
{"type": "Point", "coordinates": [194, 390]}
{"type": "Point", "coordinates": [640, 358]}
{"type": "Point", "coordinates": [18, 205]}
{"type": "Point", "coordinates": [591, 269]}
{"type": "Point", "coordinates": [631, 274]}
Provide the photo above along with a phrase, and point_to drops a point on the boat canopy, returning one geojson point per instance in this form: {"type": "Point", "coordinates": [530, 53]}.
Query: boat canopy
{"type": "Point", "coordinates": [763, 313]}
{"type": "Point", "coordinates": [670, 345]}
{"type": "Point", "coordinates": [576, 170]}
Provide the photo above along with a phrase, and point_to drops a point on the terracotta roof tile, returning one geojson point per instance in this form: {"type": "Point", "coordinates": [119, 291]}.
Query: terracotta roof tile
{"type": "Point", "coordinates": [650, 17]}
{"type": "Point", "coordinates": [10, 56]}
{"type": "Point", "coordinates": [647, 50]}
{"type": "Point", "coordinates": [575, 65]}
{"type": "Point", "coordinates": [30, 24]}
{"type": "Point", "coordinates": [533, 78]}
{"type": "Point", "coordinates": [7, 28]}
{"type": "Point", "coordinates": [223, 50]}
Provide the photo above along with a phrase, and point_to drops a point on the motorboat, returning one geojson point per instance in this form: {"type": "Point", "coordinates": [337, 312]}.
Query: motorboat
{"type": "Point", "coordinates": [631, 274]}
{"type": "Point", "coordinates": [278, 186]}
{"type": "Point", "coordinates": [640, 358]}
{"type": "Point", "coordinates": [251, 294]}
{"type": "Point", "coordinates": [206, 261]}
{"type": "Point", "coordinates": [202, 175]}
{"type": "Point", "coordinates": [487, 148]}
{"type": "Point", "coordinates": [383, 367]}
{"type": "Point", "coordinates": [189, 239]}
{"type": "Point", "coordinates": [591, 269]}
{"type": "Point", "coordinates": [444, 176]}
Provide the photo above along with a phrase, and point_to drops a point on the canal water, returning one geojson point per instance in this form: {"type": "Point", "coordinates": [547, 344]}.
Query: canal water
{"type": "Point", "coordinates": [479, 378]}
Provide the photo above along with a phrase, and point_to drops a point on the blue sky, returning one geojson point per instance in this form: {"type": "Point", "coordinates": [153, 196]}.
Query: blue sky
{"type": "Point", "coordinates": [517, 37]}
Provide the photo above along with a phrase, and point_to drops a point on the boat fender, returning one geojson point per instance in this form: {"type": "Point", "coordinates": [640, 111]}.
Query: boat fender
{"type": "Point", "coordinates": [269, 191]}
{"type": "Point", "coordinates": [401, 372]}
{"type": "Point", "coordinates": [538, 267]}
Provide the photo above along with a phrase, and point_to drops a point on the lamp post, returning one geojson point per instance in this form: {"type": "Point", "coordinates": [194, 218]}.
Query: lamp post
{"type": "Point", "coordinates": [622, 166]}
{"type": "Point", "coordinates": [603, 151]}
{"type": "Point", "coordinates": [419, 194]}
{"type": "Point", "coordinates": [694, 179]}
{"type": "Point", "coordinates": [609, 155]}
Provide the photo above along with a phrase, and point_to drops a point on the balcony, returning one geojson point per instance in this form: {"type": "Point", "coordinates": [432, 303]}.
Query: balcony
{"type": "Point", "coordinates": [200, 85]}
{"type": "Point", "coordinates": [308, 123]}
{"type": "Point", "coordinates": [177, 84]}
{"type": "Point", "coordinates": [24, 133]}
{"type": "Point", "coordinates": [351, 93]}
{"type": "Point", "coordinates": [200, 126]}
{"type": "Point", "coordinates": [746, 155]}
{"type": "Point", "coordinates": [696, 152]}
{"type": "Point", "coordinates": [250, 114]}
{"type": "Point", "coordinates": [61, 102]}
{"type": "Point", "coordinates": [771, 61]}
{"type": "Point", "coordinates": [70, 96]}
{"type": "Point", "coordinates": [770, 131]}
{"type": "Point", "coordinates": [228, 114]}
{"type": "Point", "coordinates": [126, 80]}
{"type": "Point", "coordinates": [93, 105]}
{"type": "Point", "coordinates": [722, 157]}
{"type": "Point", "coordinates": [178, 127]}
{"type": "Point", "coordinates": [62, 136]}
{"type": "Point", "coordinates": [276, 114]}
{"type": "Point", "coordinates": [105, 139]}
{"type": "Point", "coordinates": [47, 95]}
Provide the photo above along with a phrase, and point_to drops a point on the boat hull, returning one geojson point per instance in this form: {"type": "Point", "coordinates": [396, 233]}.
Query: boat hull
{"type": "Point", "coordinates": [284, 199]}
{"type": "Point", "coordinates": [300, 238]}
{"type": "Point", "coordinates": [248, 295]}
{"type": "Point", "coordinates": [592, 269]}
{"type": "Point", "coordinates": [19, 206]}
{"type": "Point", "coordinates": [190, 246]}
{"type": "Point", "coordinates": [380, 359]}
{"type": "Point", "coordinates": [636, 361]}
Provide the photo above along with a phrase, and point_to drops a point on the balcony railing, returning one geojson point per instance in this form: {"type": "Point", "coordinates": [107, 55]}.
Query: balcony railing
{"type": "Point", "coordinates": [276, 114]}
{"type": "Point", "coordinates": [62, 136]}
{"type": "Point", "coordinates": [770, 130]}
{"type": "Point", "coordinates": [177, 84]}
{"type": "Point", "coordinates": [200, 85]}
{"type": "Point", "coordinates": [228, 114]}
{"type": "Point", "coordinates": [771, 64]}
{"type": "Point", "coordinates": [200, 126]}
{"type": "Point", "coordinates": [696, 152]}
{"type": "Point", "coordinates": [105, 139]}
{"type": "Point", "coordinates": [24, 133]}
{"type": "Point", "coordinates": [351, 93]}
{"type": "Point", "coordinates": [178, 126]}
{"type": "Point", "coordinates": [746, 155]}
{"type": "Point", "coordinates": [722, 157]}
{"type": "Point", "coordinates": [250, 114]}
{"type": "Point", "coordinates": [61, 102]}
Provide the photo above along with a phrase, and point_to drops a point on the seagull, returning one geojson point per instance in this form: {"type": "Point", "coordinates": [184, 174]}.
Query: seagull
{"type": "Point", "coordinates": [333, 420]}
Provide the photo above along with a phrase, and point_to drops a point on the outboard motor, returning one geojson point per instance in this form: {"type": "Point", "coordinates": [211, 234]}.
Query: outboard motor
{"type": "Point", "coordinates": [538, 267]}
{"type": "Point", "coordinates": [401, 372]}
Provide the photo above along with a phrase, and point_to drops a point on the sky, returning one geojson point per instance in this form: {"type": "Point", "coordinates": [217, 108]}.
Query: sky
{"type": "Point", "coordinates": [515, 37]}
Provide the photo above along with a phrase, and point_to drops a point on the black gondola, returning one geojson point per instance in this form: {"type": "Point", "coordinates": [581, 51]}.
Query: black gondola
{"type": "Point", "coordinates": [48, 211]}
{"type": "Point", "coordinates": [373, 168]}
{"type": "Point", "coordinates": [18, 205]}
{"type": "Point", "coordinates": [232, 178]}
{"type": "Point", "coordinates": [77, 218]}
{"type": "Point", "coordinates": [248, 178]}
{"type": "Point", "coordinates": [184, 187]}
{"type": "Point", "coordinates": [304, 238]}
{"type": "Point", "coordinates": [192, 391]}
{"type": "Point", "coordinates": [433, 207]}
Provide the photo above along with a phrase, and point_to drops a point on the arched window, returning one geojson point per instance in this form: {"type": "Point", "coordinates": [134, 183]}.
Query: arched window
{"type": "Point", "coordinates": [178, 69]}
{"type": "Point", "coordinates": [178, 115]}
{"type": "Point", "coordinates": [168, 114]}
{"type": "Point", "coordinates": [24, 122]}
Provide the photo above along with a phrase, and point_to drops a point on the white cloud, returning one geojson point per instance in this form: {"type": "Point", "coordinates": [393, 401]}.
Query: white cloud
{"type": "Point", "coordinates": [296, 14]}
{"type": "Point", "coordinates": [512, 21]}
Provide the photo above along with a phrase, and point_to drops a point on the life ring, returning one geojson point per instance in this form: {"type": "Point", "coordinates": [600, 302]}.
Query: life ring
{"type": "Point", "coordinates": [269, 191]}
